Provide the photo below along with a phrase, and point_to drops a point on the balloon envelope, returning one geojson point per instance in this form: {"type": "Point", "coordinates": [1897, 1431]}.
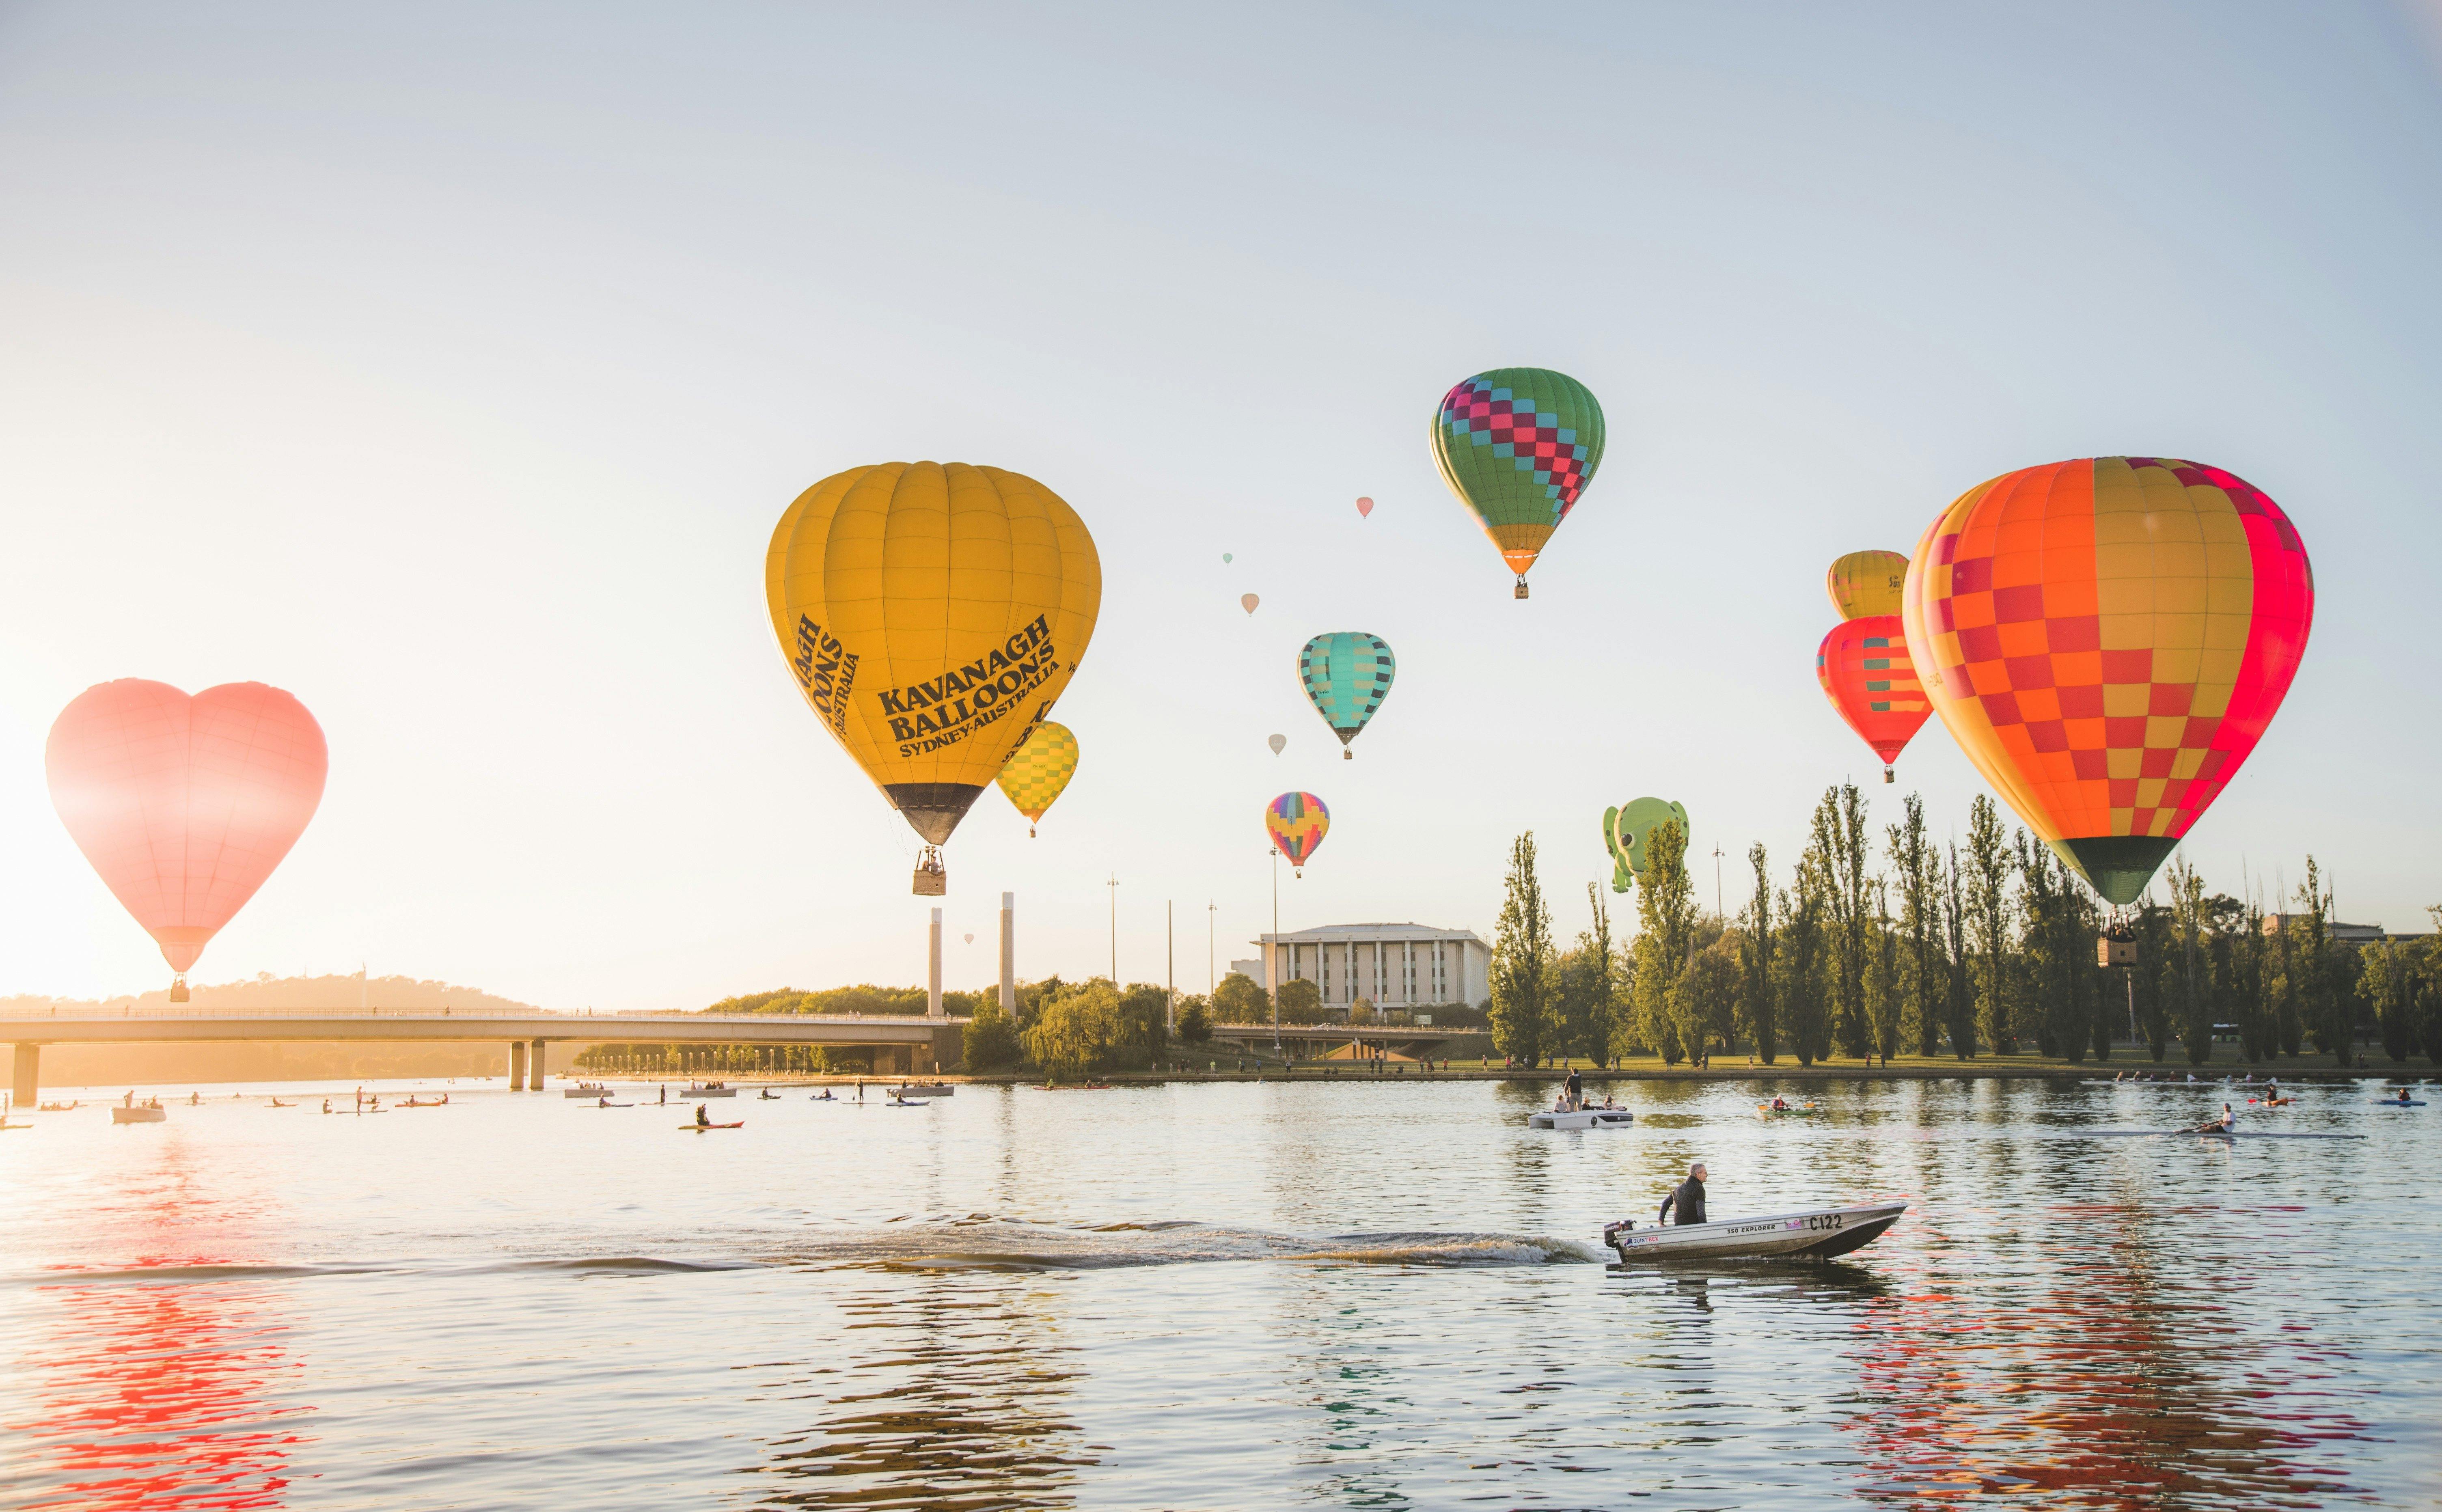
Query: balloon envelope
{"type": "Point", "coordinates": [185, 805]}
{"type": "Point", "coordinates": [1347, 674]}
{"type": "Point", "coordinates": [1867, 673]}
{"type": "Point", "coordinates": [1519, 445]}
{"type": "Point", "coordinates": [932, 613]}
{"type": "Point", "coordinates": [1039, 771]}
{"type": "Point", "coordinates": [1225, 556]}
{"type": "Point", "coordinates": [2106, 639]}
{"type": "Point", "coordinates": [1296, 823]}
{"type": "Point", "coordinates": [1631, 827]}
{"type": "Point", "coordinates": [1364, 507]}
{"type": "Point", "coordinates": [1865, 583]}
{"type": "Point", "coordinates": [1278, 742]}
{"type": "Point", "coordinates": [1248, 602]}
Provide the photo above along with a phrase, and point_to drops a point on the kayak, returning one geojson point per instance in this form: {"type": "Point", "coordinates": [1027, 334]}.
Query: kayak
{"type": "Point", "coordinates": [1581, 1118]}
{"type": "Point", "coordinates": [1822, 1232]}
{"type": "Point", "coordinates": [706, 1128]}
{"type": "Point", "coordinates": [2397, 1103]}
{"type": "Point", "coordinates": [1801, 1110]}
{"type": "Point", "coordinates": [2270, 1101]}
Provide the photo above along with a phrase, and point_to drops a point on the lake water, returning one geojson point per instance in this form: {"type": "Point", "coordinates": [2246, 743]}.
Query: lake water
{"type": "Point", "coordinates": [1214, 1296]}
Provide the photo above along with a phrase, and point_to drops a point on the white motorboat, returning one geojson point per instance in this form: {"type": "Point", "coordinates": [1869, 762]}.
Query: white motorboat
{"type": "Point", "coordinates": [1581, 1118]}
{"type": "Point", "coordinates": [588, 1090]}
{"type": "Point", "coordinates": [707, 1089]}
{"type": "Point", "coordinates": [923, 1089]}
{"type": "Point", "coordinates": [1822, 1232]}
{"type": "Point", "coordinates": [149, 1113]}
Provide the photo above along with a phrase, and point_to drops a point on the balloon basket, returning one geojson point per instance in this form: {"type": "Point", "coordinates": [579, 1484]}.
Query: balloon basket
{"type": "Point", "coordinates": [1888, 775]}
{"type": "Point", "coordinates": [932, 879]}
{"type": "Point", "coordinates": [1347, 756]}
{"type": "Point", "coordinates": [1522, 587]}
{"type": "Point", "coordinates": [178, 991]}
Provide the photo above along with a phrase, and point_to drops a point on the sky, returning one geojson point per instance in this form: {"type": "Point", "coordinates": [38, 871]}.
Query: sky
{"type": "Point", "coordinates": [449, 365]}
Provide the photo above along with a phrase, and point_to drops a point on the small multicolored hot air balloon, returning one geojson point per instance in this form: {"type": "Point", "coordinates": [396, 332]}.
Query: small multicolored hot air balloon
{"type": "Point", "coordinates": [1626, 829]}
{"type": "Point", "coordinates": [1039, 771]}
{"type": "Point", "coordinates": [2106, 639]}
{"type": "Point", "coordinates": [1865, 583]}
{"type": "Point", "coordinates": [932, 612]}
{"type": "Point", "coordinates": [1278, 742]}
{"type": "Point", "coordinates": [1248, 602]}
{"type": "Point", "coordinates": [1866, 672]}
{"type": "Point", "coordinates": [1347, 674]}
{"type": "Point", "coordinates": [1519, 445]}
{"type": "Point", "coordinates": [1296, 823]}
{"type": "Point", "coordinates": [185, 805]}
{"type": "Point", "coordinates": [1364, 507]}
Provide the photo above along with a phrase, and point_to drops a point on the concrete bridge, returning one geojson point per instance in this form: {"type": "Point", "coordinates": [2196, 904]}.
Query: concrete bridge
{"type": "Point", "coordinates": [901, 1045]}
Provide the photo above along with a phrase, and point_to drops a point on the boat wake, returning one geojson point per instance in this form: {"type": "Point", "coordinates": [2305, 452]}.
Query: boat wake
{"type": "Point", "coordinates": [983, 1241]}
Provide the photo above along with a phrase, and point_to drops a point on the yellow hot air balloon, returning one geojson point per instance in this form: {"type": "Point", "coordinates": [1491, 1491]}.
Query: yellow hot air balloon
{"type": "Point", "coordinates": [1866, 583]}
{"type": "Point", "coordinates": [932, 612]}
{"type": "Point", "coordinates": [1039, 773]}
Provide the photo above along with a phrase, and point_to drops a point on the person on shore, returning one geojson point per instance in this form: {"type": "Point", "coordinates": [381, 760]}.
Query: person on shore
{"type": "Point", "coordinates": [1687, 1196]}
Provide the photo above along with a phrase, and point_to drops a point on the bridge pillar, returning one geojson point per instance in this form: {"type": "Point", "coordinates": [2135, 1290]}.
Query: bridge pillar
{"type": "Point", "coordinates": [517, 1065]}
{"type": "Point", "coordinates": [533, 1067]}
{"type": "Point", "coordinates": [21, 1084]}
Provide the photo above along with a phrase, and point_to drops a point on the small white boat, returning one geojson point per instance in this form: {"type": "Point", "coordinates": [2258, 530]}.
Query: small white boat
{"type": "Point", "coordinates": [154, 1113]}
{"type": "Point", "coordinates": [708, 1089]}
{"type": "Point", "coordinates": [588, 1090]}
{"type": "Point", "coordinates": [923, 1089]}
{"type": "Point", "coordinates": [1581, 1118]}
{"type": "Point", "coordinates": [1823, 1232]}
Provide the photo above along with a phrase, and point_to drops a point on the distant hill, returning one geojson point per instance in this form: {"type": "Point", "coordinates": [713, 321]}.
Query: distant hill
{"type": "Point", "coordinates": [180, 1064]}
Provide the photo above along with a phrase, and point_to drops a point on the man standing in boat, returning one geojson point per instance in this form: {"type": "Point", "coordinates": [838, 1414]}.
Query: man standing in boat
{"type": "Point", "coordinates": [1687, 1196]}
{"type": "Point", "coordinates": [1577, 1091]}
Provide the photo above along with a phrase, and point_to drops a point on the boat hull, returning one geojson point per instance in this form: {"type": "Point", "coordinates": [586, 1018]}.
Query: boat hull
{"type": "Point", "coordinates": [1821, 1233]}
{"type": "Point", "coordinates": [704, 1091]}
{"type": "Point", "coordinates": [124, 1115]}
{"type": "Point", "coordinates": [1584, 1118]}
{"type": "Point", "coordinates": [923, 1091]}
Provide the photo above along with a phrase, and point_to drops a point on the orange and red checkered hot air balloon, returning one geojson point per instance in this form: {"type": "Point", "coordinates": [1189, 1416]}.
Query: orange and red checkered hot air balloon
{"type": "Point", "coordinates": [1867, 673]}
{"type": "Point", "coordinates": [2107, 639]}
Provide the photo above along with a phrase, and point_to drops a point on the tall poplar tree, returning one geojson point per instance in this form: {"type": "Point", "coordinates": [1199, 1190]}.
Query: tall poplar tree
{"type": "Point", "coordinates": [1958, 997]}
{"type": "Point", "coordinates": [1988, 913]}
{"type": "Point", "coordinates": [1757, 1019]}
{"type": "Point", "coordinates": [1666, 932]}
{"type": "Point", "coordinates": [1839, 839]}
{"type": "Point", "coordinates": [1524, 967]}
{"type": "Point", "coordinates": [2328, 1008]}
{"type": "Point", "coordinates": [1921, 969]}
{"type": "Point", "coordinates": [1799, 972]}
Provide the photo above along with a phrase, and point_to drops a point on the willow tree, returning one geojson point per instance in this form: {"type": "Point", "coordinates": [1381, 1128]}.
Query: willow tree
{"type": "Point", "coordinates": [1523, 964]}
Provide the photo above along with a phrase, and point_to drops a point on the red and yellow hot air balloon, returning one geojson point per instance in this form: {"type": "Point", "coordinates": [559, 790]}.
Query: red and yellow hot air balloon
{"type": "Point", "coordinates": [2107, 639]}
{"type": "Point", "coordinates": [1296, 823]}
{"type": "Point", "coordinates": [1866, 672]}
{"type": "Point", "coordinates": [185, 805]}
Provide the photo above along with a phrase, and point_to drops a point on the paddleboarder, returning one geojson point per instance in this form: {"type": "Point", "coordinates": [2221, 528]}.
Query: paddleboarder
{"type": "Point", "coordinates": [1687, 1196]}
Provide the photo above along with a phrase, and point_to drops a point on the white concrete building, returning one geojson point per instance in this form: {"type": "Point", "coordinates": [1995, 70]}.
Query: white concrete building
{"type": "Point", "coordinates": [1392, 966]}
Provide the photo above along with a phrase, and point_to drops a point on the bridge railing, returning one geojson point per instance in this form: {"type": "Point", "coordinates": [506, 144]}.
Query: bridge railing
{"type": "Point", "coordinates": [612, 1024]}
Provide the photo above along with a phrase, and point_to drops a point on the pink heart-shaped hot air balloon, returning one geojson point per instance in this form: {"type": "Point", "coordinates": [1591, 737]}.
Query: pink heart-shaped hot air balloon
{"type": "Point", "coordinates": [185, 805]}
{"type": "Point", "coordinates": [1364, 507]}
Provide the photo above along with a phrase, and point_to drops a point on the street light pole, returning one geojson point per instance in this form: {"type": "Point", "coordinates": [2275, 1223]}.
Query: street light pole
{"type": "Point", "coordinates": [1717, 879]}
{"type": "Point", "coordinates": [1273, 950]}
{"type": "Point", "coordinates": [1211, 931]}
{"type": "Point", "coordinates": [1170, 933]}
{"type": "Point", "coordinates": [1114, 886]}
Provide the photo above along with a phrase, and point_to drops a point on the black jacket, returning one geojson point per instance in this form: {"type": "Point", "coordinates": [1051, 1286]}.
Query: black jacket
{"type": "Point", "coordinates": [1688, 1198]}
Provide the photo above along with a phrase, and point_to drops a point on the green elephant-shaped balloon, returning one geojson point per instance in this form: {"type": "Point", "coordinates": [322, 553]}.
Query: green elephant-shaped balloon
{"type": "Point", "coordinates": [1626, 831]}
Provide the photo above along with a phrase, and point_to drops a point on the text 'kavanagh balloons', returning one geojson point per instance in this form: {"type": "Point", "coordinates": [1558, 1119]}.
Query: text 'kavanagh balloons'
{"type": "Point", "coordinates": [1865, 583]}
{"type": "Point", "coordinates": [1347, 674]}
{"type": "Point", "coordinates": [1296, 823]}
{"type": "Point", "coordinates": [1866, 672]}
{"type": "Point", "coordinates": [932, 613]}
{"type": "Point", "coordinates": [2106, 639]}
{"type": "Point", "coordinates": [185, 805]}
{"type": "Point", "coordinates": [1038, 771]}
{"type": "Point", "coordinates": [1519, 445]}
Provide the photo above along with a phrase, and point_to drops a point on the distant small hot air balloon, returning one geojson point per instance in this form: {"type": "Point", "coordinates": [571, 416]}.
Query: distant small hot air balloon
{"type": "Point", "coordinates": [932, 613]}
{"type": "Point", "coordinates": [1866, 672]}
{"type": "Point", "coordinates": [1248, 602]}
{"type": "Point", "coordinates": [1225, 556]}
{"type": "Point", "coordinates": [1364, 507]}
{"type": "Point", "coordinates": [1347, 675]}
{"type": "Point", "coordinates": [971, 939]}
{"type": "Point", "coordinates": [1627, 829]}
{"type": "Point", "coordinates": [185, 805]}
{"type": "Point", "coordinates": [2106, 639]}
{"type": "Point", "coordinates": [1865, 583]}
{"type": "Point", "coordinates": [1519, 445]}
{"type": "Point", "coordinates": [1039, 771]}
{"type": "Point", "coordinates": [1278, 742]}
{"type": "Point", "coordinates": [1296, 823]}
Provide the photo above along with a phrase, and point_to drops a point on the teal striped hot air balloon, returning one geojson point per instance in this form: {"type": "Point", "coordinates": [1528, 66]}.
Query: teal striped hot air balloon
{"type": "Point", "coordinates": [1347, 675]}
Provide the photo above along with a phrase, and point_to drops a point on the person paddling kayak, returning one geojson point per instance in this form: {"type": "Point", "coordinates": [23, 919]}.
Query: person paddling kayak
{"type": "Point", "coordinates": [2226, 1123]}
{"type": "Point", "coordinates": [1687, 1196]}
{"type": "Point", "coordinates": [702, 1120]}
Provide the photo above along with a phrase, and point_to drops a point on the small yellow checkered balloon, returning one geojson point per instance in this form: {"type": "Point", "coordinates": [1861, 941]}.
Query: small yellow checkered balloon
{"type": "Point", "coordinates": [1037, 775]}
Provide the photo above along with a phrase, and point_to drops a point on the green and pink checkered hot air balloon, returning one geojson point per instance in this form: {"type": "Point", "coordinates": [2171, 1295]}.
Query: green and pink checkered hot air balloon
{"type": "Point", "coordinates": [1519, 445]}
